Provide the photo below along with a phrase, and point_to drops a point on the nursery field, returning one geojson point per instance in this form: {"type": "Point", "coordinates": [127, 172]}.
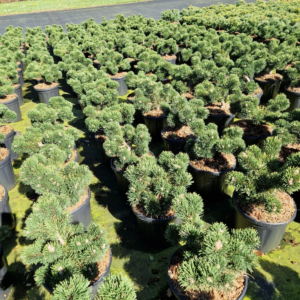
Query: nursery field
{"type": "Point", "coordinates": [147, 159]}
{"type": "Point", "coordinates": [277, 277]}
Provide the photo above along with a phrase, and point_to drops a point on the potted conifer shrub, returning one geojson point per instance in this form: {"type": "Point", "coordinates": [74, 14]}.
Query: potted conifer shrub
{"type": "Point", "coordinates": [168, 50]}
{"type": "Point", "coordinates": [153, 98]}
{"type": "Point", "coordinates": [73, 250]}
{"type": "Point", "coordinates": [181, 114]}
{"type": "Point", "coordinates": [49, 73]}
{"type": "Point", "coordinates": [148, 61]}
{"type": "Point", "coordinates": [262, 187]}
{"type": "Point", "coordinates": [113, 63]}
{"type": "Point", "coordinates": [97, 121]}
{"type": "Point", "coordinates": [8, 97]}
{"type": "Point", "coordinates": [7, 176]}
{"type": "Point", "coordinates": [279, 55]}
{"type": "Point", "coordinates": [7, 133]}
{"type": "Point", "coordinates": [125, 145]}
{"type": "Point", "coordinates": [6, 215]}
{"type": "Point", "coordinates": [46, 172]}
{"type": "Point", "coordinates": [292, 90]}
{"type": "Point", "coordinates": [255, 118]}
{"type": "Point", "coordinates": [212, 263]}
{"type": "Point", "coordinates": [171, 15]}
{"type": "Point", "coordinates": [154, 183]}
{"type": "Point", "coordinates": [211, 157]}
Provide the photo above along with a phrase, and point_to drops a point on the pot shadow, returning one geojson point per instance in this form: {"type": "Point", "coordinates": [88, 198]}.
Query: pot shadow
{"type": "Point", "coordinates": [29, 92]}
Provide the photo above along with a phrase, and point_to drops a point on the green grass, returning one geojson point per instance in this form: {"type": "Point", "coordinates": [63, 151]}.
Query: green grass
{"type": "Point", "coordinates": [277, 277]}
{"type": "Point", "coordinates": [48, 5]}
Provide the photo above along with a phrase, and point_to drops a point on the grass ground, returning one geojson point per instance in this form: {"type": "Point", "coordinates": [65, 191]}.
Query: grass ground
{"type": "Point", "coordinates": [48, 5]}
{"type": "Point", "coordinates": [277, 277]}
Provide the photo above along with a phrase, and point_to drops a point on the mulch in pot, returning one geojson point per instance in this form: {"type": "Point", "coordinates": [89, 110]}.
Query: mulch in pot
{"type": "Point", "coordinates": [8, 98]}
{"type": "Point", "coordinates": [269, 77]}
{"type": "Point", "coordinates": [288, 150]}
{"type": "Point", "coordinates": [5, 129]}
{"type": "Point", "coordinates": [258, 212]}
{"type": "Point", "coordinates": [2, 192]}
{"type": "Point", "coordinates": [217, 109]}
{"type": "Point", "coordinates": [45, 85]}
{"type": "Point", "coordinates": [3, 153]}
{"type": "Point", "coordinates": [256, 92]}
{"type": "Point", "coordinates": [253, 130]}
{"type": "Point", "coordinates": [182, 133]}
{"type": "Point", "coordinates": [201, 295]}
{"type": "Point", "coordinates": [141, 209]}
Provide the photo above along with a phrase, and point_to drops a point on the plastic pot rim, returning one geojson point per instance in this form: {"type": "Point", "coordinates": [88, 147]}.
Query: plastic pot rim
{"type": "Point", "coordinates": [268, 81]}
{"type": "Point", "coordinates": [257, 137]}
{"type": "Point", "coordinates": [90, 286]}
{"type": "Point", "coordinates": [171, 140]}
{"type": "Point", "coordinates": [150, 117]}
{"type": "Point", "coordinates": [261, 223]}
{"type": "Point", "coordinates": [4, 161]}
{"type": "Point", "coordinates": [294, 93]}
{"type": "Point", "coordinates": [11, 101]}
{"type": "Point", "coordinates": [242, 295]}
{"type": "Point", "coordinates": [144, 218]}
{"type": "Point", "coordinates": [10, 133]}
{"type": "Point", "coordinates": [117, 78]}
{"type": "Point", "coordinates": [221, 116]}
{"type": "Point", "coordinates": [215, 173]}
{"type": "Point", "coordinates": [4, 200]}
{"type": "Point", "coordinates": [46, 90]}
{"type": "Point", "coordinates": [84, 203]}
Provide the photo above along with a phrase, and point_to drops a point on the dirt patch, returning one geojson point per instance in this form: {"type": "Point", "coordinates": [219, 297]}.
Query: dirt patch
{"type": "Point", "coordinates": [140, 209]}
{"type": "Point", "coordinates": [183, 133]}
{"type": "Point", "coordinates": [102, 265]}
{"type": "Point", "coordinates": [269, 77]}
{"type": "Point", "coordinates": [294, 89]}
{"type": "Point", "coordinates": [6, 129]}
{"type": "Point", "coordinates": [188, 96]}
{"type": "Point", "coordinates": [288, 150]}
{"type": "Point", "coordinates": [217, 109]}
{"type": "Point", "coordinates": [45, 86]}
{"type": "Point", "coordinates": [119, 75]}
{"type": "Point", "coordinates": [220, 162]}
{"type": "Point", "coordinates": [8, 98]}
{"type": "Point", "coordinates": [289, 66]}
{"type": "Point", "coordinates": [3, 153]}
{"type": "Point", "coordinates": [253, 130]}
{"type": "Point", "coordinates": [256, 92]}
{"type": "Point", "coordinates": [2, 192]}
{"type": "Point", "coordinates": [81, 200]}
{"type": "Point", "coordinates": [232, 294]}
{"type": "Point", "coordinates": [154, 113]}
{"type": "Point", "coordinates": [16, 85]}
{"type": "Point", "coordinates": [258, 212]}
{"type": "Point", "coordinates": [169, 57]}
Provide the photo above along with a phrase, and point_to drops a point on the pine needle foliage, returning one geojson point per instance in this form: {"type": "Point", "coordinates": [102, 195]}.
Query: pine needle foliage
{"type": "Point", "coordinates": [6, 86]}
{"type": "Point", "coordinates": [6, 115]}
{"type": "Point", "coordinates": [60, 249]}
{"type": "Point", "coordinates": [261, 175]}
{"type": "Point", "coordinates": [116, 287]}
{"type": "Point", "coordinates": [154, 183]}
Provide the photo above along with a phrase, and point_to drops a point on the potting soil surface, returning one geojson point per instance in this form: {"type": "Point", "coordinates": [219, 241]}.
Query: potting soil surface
{"type": "Point", "coordinates": [277, 277]}
{"type": "Point", "coordinates": [149, 9]}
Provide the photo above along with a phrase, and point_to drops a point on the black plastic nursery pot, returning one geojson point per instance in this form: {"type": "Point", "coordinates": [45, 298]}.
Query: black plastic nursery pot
{"type": "Point", "coordinates": [294, 99]}
{"type": "Point", "coordinates": [270, 234]}
{"type": "Point", "coordinates": [123, 182]}
{"type": "Point", "coordinates": [179, 297]}
{"type": "Point", "coordinates": [258, 140]}
{"type": "Point", "coordinates": [122, 88]}
{"type": "Point", "coordinates": [153, 230]}
{"type": "Point", "coordinates": [5, 287]}
{"type": "Point", "coordinates": [138, 116]}
{"type": "Point", "coordinates": [222, 121]}
{"type": "Point", "coordinates": [46, 94]}
{"type": "Point", "coordinates": [94, 287]}
{"type": "Point", "coordinates": [83, 213]}
{"type": "Point", "coordinates": [210, 185]}
{"type": "Point", "coordinates": [172, 145]}
{"type": "Point", "coordinates": [19, 92]}
{"type": "Point", "coordinates": [97, 65]}
{"type": "Point", "coordinates": [21, 79]}
{"type": "Point", "coordinates": [106, 159]}
{"type": "Point", "coordinates": [9, 138]}
{"type": "Point", "coordinates": [6, 216]}
{"type": "Point", "coordinates": [270, 89]}
{"type": "Point", "coordinates": [155, 125]}
{"type": "Point", "coordinates": [7, 176]}
{"type": "Point", "coordinates": [172, 60]}
{"type": "Point", "coordinates": [13, 105]}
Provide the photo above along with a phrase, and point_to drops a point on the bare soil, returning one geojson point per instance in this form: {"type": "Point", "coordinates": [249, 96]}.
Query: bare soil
{"type": "Point", "coordinates": [288, 150]}
{"type": "Point", "coordinates": [140, 209]}
{"type": "Point", "coordinates": [258, 212]}
{"type": "Point", "coordinates": [80, 202]}
{"type": "Point", "coordinates": [188, 96]}
{"type": "Point", "coordinates": [220, 162]}
{"type": "Point", "coordinates": [3, 153]}
{"type": "Point", "coordinates": [2, 192]}
{"type": "Point", "coordinates": [102, 265]}
{"type": "Point", "coordinates": [16, 85]}
{"type": "Point", "coordinates": [119, 75]}
{"type": "Point", "coordinates": [154, 113]}
{"type": "Point", "coordinates": [45, 86]}
{"type": "Point", "coordinates": [169, 57]}
{"type": "Point", "coordinates": [232, 294]}
{"type": "Point", "coordinates": [5, 129]}
{"type": "Point", "coordinates": [217, 109]}
{"type": "Point", "coordinates": [269, 77]}
{"type": "Point", "coordinates": [183, 133]}
{"type": "Point", "coordinates": [257, 92]}
{"type": "Point", "coordinates": [289, 65]}
{"type": "Point", "coordinates": [253, 130]}
{"type": "Point", "coordinates": [8, 98]}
